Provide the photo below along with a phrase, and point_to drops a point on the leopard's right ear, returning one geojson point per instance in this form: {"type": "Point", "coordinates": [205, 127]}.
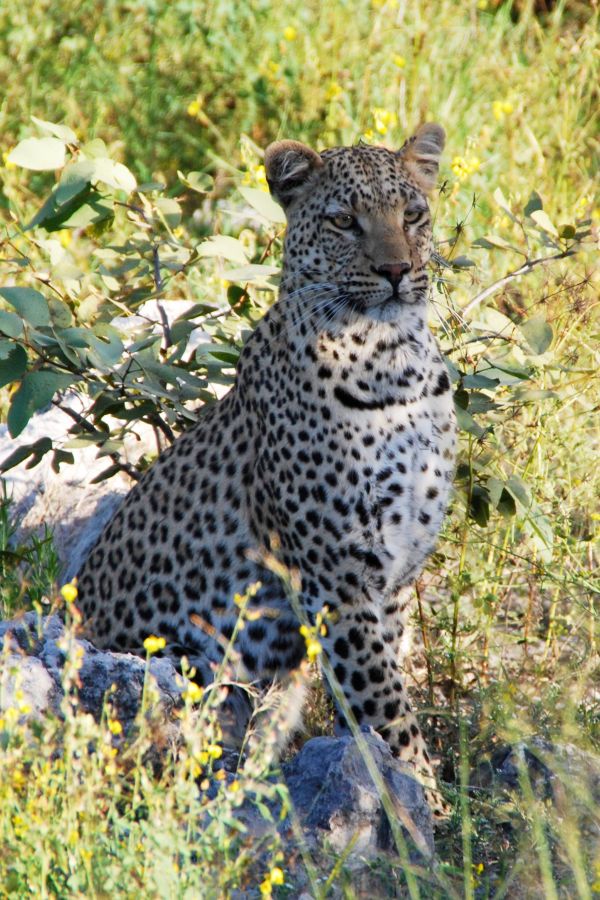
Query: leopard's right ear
{"type": "Point", "coordinates": [289, 166]}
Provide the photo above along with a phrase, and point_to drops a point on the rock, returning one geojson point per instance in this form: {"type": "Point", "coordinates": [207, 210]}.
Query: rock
{"type": "Point", "coordinates": [336, 798]}
{"type": "Point", "coordinates": [35, 661]}
{"type": "Point", "coordinates": [551, 768]}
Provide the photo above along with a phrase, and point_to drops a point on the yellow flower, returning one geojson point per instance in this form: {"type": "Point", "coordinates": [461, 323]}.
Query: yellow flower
{"type": "Point", "coordinates": [11, 715]}
{"type": "Point", "coordinates": [384, 119]}
{"type": "Point", "coordinates": [313, 649]}
{"type": "Point", "coordinates": [368, 135]}
{"type": "Point", "coordinates": [194, 108]}
{"type": "Point", "coordinates": [7, 164]}
{"type": "Point", "coordinates": [153, 644]}
{"type": "Point", "coordinates": [64, 237]}
{"type": "Point", "coordinates": [290, 33]}
{"type": "Point", "coordinates": [501, 109]}
{"type": "Point", "coordinates": [333, 90]}
{"type": "Point", "coordinates": [276, 875]}
{"type": "Point", "coordinates": [256, 175]}
{"type": "Point", "coordinates": [482, 4]}
{"type": "Point", "coordinates": [398, 60]}
{"type": "Point", "coordinates": [463, 167]}
{"type": "Point", "coordinates": [193, 692]}
{"type": "Point", "coordinates": [114, 726]}
{"type": "Point", "coordinates": [234, 787]}
{"type": "Point", "coordinates": [20, 826]}
{"type": "Point", "coordinates": [69, 591]}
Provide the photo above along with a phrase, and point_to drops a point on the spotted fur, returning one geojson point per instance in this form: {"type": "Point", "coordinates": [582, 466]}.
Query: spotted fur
{"type": "Point", "coordinates": [338, 437]}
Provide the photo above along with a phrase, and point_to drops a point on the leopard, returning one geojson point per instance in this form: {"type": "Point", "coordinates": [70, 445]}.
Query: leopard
{"type": "Point", "coordinates": [333, 451]}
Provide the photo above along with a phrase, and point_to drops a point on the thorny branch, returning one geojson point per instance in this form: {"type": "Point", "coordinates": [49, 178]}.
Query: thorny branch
{"type": "Point", "coordinates": [522, 270]}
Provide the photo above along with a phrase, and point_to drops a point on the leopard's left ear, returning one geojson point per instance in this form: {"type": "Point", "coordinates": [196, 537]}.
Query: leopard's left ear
{"type": "Point", "coordinates": [290, 167]}
{"type": "Point", "coordinates": [421, 154]}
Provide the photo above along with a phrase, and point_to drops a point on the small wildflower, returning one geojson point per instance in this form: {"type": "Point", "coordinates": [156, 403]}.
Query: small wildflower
{"type": "Point", "coordinates": [153, 644]}
{"type": "Point", "coordinates": [384, 119]}
{"type": "Point", "coordinates": [256, 175]}
{"type": "Point", "coordinates": [19, 826]}
{"type": "Point", "coordinates": [333, 90]}
{"type": "Point", "coordinates": [193, 692]}
{"type": "Point", "coordinates": [501, 109]}
{"type": "Point", "coordinates": [234, 787]}
{"type": "Point", "coordinates": [65, 237]}
{"type": "Point", "coordinates": [114, 726]}
{"type": "Point", "coordinates": [290, 33]}
{"type": "Point", "coordinates": [463, 167]}
{"type": "Point", "coordinates": [69, 591]}
{"type": "Point", "coordinates": [313, 645]}
{"type": "Point", "coordinates": [276, 875]}
{"type": "Point", "coordinates": [368, 135]}
{"type": "Point", "coordinates": [398, 60]}
{"type": "Point", "coordinates": [193, 108]}
{"type": "Point", "coordinates": [7, 163]}
{"type": "Point", "coordinates": [482, 4]}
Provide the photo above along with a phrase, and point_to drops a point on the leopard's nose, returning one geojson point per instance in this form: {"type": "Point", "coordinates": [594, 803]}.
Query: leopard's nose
{"type": "Point", "coordinates": [394, 272]}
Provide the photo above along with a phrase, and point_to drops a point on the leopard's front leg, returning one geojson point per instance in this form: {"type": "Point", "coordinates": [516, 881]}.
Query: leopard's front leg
{"type": "Point", "coordinates": [363, 649]}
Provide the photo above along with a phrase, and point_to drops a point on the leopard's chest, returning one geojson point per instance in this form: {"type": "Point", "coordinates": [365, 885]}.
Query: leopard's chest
{"type": "Point", "coordinates": [405, 457]}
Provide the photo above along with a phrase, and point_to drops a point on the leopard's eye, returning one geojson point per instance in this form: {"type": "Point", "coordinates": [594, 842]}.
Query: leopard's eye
{"type": "Point", "coordinates": [413, 215]}
{"type": "Point", "coordinates": [343, 221]}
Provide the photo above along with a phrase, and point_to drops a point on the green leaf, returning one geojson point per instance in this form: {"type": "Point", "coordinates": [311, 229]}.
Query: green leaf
{"type": "Point", "coordinates": [503, 203]}
{"type": "Point", "coordinates": [519, 491]}
{"type": "Point", "coordinates": [544, 221]}
{"type": "Point", "coordinates": [466, 422]}
{"type": "Point", "coordinates": [91, 212]}
{"type": "Point", "coordinates": [253, 272]}
{"type": "Point", "coordinates": [36, 391]}
{"type": "Point", "coordinates": [37, 450]}
{"type": "Point", "coordinates": [495, 488]}
{"type": "Point", "coordinates": [63, 132]}
{"type": "Point", "coordinates": [75, 178]}
{"type": "Point", "coordinates": [39, 154]}
{"type": "Point", "coordinates": [114, 174]}
{"type": "Point", "coordinates": [13, 366]}
{"type": "Point", "coordinates": [30, 304]}
{"type": "Point", "coordinates": [201, 182]}
{"type": "Point", "coordinates": [533, 204]}
{"type": "Point", "coordinates": [462, 262]}
{"type": "Point", "coordinates": [63, 202]}
{"type": "Point", "coordinates": [538, 333]}
{"type": "Point", "coordinates": [264, 204]}
{"type": "Point", "coordinates": [506, 505]}
{"type": "Point", "coordinates": [480, 403]}
{"type": "Point", "coordinates": [107, 473]}
{"type": "Point", "coordinates": [491, 241]}
{"type": "Point", "coordinates": [480, 381]}
{"type": "Point", "coordinates": [479, 508]}
{"type": "Point", "coordinates": [567, 232]}
{"type": "Point", "coordinates": [62, 456]}
{"type": "Point", "coordinates": [10, 324]}
{"type": "Point", "coordinates": [170, 210]}
{"type": "Point", "coordinates": [224, 247]}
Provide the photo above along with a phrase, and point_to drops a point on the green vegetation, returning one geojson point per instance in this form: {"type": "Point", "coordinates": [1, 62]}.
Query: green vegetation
{"type": "Point", "coordinates": [151, 188]}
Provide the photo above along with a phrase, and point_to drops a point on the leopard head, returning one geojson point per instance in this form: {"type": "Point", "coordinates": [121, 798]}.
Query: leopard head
{"type": "Point", "coordinates": [359, 226]}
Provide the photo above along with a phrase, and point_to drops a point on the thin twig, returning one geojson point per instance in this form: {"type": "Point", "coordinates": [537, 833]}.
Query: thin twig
{"type": "Point", "coordinates": [522, 270]}
{"type": "Point", "coordinates": [126, 467]}
{"type": "Point", "coordinates": [159, 287]}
